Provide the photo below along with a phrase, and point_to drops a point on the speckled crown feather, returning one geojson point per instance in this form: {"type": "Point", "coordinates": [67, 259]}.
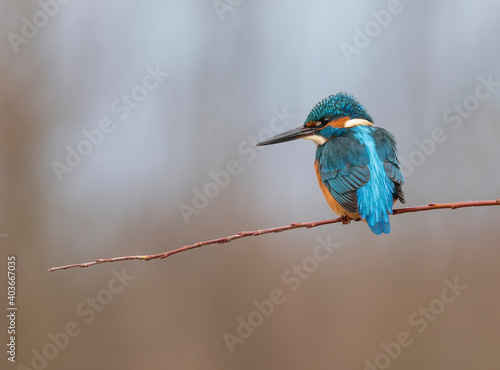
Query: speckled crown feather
{"type": "Point", "coordinates": [337, 106]}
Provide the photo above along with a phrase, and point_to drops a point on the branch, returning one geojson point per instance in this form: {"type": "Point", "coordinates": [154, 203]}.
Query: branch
{"type": "Point", "coordinates": [297, 225]}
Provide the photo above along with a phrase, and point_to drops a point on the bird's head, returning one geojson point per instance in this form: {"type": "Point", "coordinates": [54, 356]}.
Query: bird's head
{"type": "Point", "coordinates": [339, 111]}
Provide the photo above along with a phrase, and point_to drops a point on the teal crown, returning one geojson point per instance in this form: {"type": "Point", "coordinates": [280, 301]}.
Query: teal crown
{"type": "Point", "coordinates": [338, 106]}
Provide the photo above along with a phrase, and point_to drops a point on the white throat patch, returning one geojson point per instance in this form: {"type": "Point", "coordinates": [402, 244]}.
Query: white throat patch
{"type": "Point", "coordinates": [319, 140]}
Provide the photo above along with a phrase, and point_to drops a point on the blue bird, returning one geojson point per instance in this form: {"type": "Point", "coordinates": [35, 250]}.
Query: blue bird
{"type": "Point", "coordinates": [356, 163]}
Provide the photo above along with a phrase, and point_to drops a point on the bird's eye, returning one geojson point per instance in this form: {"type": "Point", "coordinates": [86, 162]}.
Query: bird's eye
{"type": "Point", "coordinates": [325, 121]}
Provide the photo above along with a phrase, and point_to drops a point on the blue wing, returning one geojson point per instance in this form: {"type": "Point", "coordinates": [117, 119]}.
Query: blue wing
{"type": "Point", "coordinates": [387, 152]}
{"type": "Point", "coordinates": [346, 171]}
{"type": "Point", "coordinates": [343, 165]}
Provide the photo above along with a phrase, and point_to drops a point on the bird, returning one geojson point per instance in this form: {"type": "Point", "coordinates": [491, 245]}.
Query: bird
{"type": "Point", "coordinates": [356, 162]}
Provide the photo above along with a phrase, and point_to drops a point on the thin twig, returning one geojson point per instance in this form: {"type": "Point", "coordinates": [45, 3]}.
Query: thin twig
{"type": "Point", "coordinates": [297, 225]}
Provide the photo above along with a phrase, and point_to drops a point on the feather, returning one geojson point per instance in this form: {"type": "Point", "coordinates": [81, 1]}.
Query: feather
{"type": "Point", "coordinates": [359, 167]}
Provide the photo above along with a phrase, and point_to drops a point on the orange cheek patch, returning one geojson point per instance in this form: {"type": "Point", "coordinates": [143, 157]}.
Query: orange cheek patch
{"type": "Point", "coordinates": [339, 123]}
{"type": "Point", "coordinates": [311, 124]}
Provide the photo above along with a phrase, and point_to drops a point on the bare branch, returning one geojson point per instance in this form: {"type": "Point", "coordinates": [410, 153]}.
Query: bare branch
{"type": "Point", "coordinates": [297, 225]}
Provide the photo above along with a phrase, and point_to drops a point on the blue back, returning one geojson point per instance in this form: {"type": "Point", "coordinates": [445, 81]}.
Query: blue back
{"type": "Point", "coordinates": [359, 167]}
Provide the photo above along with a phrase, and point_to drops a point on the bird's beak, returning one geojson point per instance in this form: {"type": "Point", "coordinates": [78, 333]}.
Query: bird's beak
{"type": "Point", "coordinates": [296, 133]}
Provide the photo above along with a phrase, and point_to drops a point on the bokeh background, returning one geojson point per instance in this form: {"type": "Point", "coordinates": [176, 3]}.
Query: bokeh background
{"type": "Point", "coordinates": [230, 70]}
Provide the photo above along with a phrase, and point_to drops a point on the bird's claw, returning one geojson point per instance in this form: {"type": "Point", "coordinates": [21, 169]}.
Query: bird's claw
{"type": "Point", "coordinates": [345, 220]}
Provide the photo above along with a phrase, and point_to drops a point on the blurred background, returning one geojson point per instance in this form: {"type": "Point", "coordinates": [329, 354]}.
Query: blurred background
{"type": "Point", "coordinates": [116, 117]}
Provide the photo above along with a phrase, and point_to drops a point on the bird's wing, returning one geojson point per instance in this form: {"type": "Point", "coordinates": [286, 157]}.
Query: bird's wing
{"type": "Point", "coordinates": [343, 166]}
{"type": "Point", "coordinates": [386, 150]}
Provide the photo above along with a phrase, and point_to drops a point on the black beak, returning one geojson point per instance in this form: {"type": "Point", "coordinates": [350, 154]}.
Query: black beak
{"type": "Point", "coordinates": [296, 133]}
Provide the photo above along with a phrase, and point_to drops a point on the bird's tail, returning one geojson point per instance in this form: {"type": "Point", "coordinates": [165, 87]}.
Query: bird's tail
{"type": "Point", "coordinates": [379, 223]}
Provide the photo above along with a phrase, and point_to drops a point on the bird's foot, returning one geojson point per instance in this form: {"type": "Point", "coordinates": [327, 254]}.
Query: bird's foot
{"type": "Point", "coordinates": [345, 220]}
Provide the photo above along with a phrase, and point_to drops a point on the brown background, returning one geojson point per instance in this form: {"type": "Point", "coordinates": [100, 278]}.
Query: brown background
{"type": "Point", "coordinates": [226, 76]}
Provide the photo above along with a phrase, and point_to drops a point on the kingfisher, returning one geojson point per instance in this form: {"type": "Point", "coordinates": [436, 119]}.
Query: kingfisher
{"type": "Point", "coordinates": [356, 163]}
